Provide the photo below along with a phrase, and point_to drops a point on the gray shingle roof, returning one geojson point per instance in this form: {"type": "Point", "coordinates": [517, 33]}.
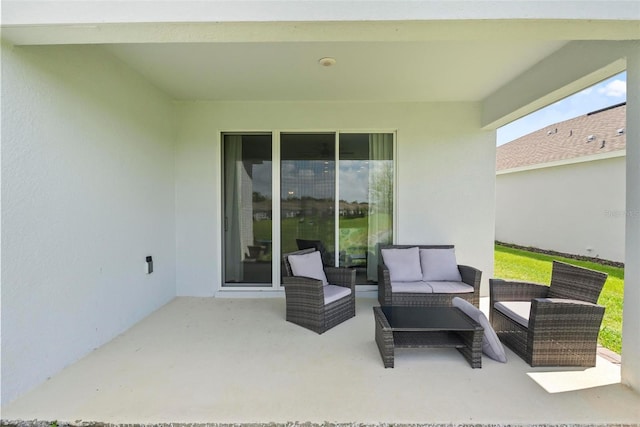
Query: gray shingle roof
{"type": "Point", "coordinates": [593, 133]}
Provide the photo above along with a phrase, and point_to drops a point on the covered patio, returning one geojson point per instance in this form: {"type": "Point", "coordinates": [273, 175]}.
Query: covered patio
{"type": "Point", "coordinates": [114, 115]}
{"type": "Point", "coordinates": [254, 367]}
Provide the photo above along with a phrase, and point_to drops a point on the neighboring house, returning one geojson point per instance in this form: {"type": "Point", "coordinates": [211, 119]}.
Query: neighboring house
{"type": "Point", "coordinates": [562, 187]}
{"type": "Point", "coordinates": [134, 129]}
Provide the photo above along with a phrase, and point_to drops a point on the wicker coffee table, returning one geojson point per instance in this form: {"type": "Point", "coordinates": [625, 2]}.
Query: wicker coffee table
{"type": "Point", "coordinates": [427, 327]}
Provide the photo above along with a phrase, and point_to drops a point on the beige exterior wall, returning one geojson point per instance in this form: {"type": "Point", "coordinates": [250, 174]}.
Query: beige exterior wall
{"type": "Point", "coordinates": [445, 178]}
{"type": "Point", "coordinates": [87, 194]}
{"type": "Point", "coordinates": [576, 208]}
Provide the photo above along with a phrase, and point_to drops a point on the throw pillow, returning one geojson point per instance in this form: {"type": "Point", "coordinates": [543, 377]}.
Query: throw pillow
{"type": "Point", "coordinates": [403, 264]}
{"type": "Point", "coordinates": [491, 345]}
{"type": "Point", "coordinates": [308, 265]}
{"type": "Point", "coordinates": [439, 264]}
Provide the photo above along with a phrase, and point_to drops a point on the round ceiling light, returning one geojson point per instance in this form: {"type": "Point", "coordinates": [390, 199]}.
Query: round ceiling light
{"type": "Point", "coordinates": [327, 61]}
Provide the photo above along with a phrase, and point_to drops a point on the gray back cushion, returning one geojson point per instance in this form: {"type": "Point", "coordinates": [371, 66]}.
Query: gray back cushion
{"type": "Point", "coordinates": [491, 345]}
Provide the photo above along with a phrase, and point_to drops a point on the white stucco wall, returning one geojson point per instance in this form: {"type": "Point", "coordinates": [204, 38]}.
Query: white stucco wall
{"type": "Point", "coordinates": [567, 208]}
{"type": "Point", "coordinates": [87, 193]}
{"type": "Point", "coordinates": [631, 322]}
{"type": "Point", "coordinates": [445, 179]}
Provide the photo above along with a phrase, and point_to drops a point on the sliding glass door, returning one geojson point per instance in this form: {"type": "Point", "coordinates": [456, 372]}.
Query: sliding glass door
{"type": "Point", "coordinates": [308, 195]}
{"type": "Point", "coordinates": [365, 183]}
{"type": "Point", "coordinates": [247, 210]}
{"type": "Point", "coordinates": [336, 194]}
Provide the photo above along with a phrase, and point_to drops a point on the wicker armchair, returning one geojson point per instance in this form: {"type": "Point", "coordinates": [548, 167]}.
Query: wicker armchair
{"type": "Point", "coordinates": [470, 276]}
{"type": "Point", "coordinates": [554, 325]}
{"type": "Point", "coordinates": [305, 297]}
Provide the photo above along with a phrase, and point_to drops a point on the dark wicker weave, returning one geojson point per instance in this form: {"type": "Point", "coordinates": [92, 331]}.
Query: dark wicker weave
{"type": "Point", "coordinates": [468, 343]}
{"type": "Point", "coordinates": [470, 276]}
{"type": "Point", "coordinates": [564, 320]}
{"type": "Point", "coordinates": [305, 297]}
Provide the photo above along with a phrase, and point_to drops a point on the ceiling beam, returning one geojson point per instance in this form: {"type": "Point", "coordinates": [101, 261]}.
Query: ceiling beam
{"type": "Point", "coordinates": [572, 68]}
{"type": "Point", "coordinates": [42, 12]}
{"type": "Point", "coordinates": [212, 32]}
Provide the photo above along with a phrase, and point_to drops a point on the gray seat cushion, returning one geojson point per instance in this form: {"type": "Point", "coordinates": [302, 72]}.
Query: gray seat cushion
{"type": "Point", "coordinates": [516, 310]}
{"type": "Point", "coordinates": [432, 287]}
{"type": "Point", "coordinates": [447, 287]}
{"type": "Point", "coordinates": [334, 293]}
{"type": "Point", "coordinates": [411, 287]}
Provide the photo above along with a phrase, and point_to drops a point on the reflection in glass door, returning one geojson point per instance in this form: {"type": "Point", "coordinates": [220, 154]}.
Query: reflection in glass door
{"type": "Point", "coordinates": [307, 182]}
{"type": "Point", "coordinates": [366, 178]}
{"type": "Point", "coordinates": [247, 210]}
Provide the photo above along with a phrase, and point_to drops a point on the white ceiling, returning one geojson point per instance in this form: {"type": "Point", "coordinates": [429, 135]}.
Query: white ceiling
{"type": "Point", "coordinates": [365, 71]}
{"type": "Point", "coordinates": [445, 50]}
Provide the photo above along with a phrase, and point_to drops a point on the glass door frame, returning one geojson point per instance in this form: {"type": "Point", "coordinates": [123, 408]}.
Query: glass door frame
{"type": "Point", "coordinates": [276, 262]}
{"type": "Point", "coordinates": [276, 281]}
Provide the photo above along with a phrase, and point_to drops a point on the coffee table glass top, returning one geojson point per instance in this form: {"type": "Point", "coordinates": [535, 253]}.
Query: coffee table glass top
{"type": "Point", "coordinates": [427, 318]}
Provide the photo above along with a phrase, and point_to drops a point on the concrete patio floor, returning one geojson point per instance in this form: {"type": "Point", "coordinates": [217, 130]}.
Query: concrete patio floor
{"type": "Point", "coordinates": [206, 360]}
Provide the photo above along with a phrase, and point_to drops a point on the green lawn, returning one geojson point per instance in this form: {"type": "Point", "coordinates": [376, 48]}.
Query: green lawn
{"type": "Point", "coordinates": [534, 267]}
{"type": "Point", "coordinates": [353, 232]}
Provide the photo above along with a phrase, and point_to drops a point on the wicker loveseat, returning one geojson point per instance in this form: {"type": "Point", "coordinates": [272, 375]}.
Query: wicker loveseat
{"type": "Point", "coordinates": [554, 325]}
{"type": "Point", "coordinates": [427, 293]}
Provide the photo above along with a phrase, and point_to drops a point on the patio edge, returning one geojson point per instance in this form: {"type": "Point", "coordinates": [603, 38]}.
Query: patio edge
{"type": "Point", "coordinates": [40, 423]}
